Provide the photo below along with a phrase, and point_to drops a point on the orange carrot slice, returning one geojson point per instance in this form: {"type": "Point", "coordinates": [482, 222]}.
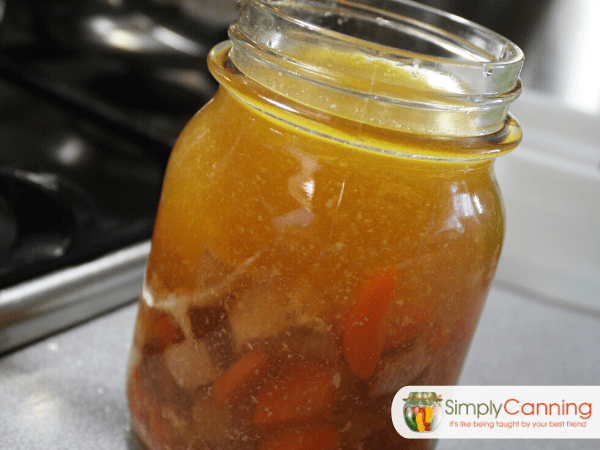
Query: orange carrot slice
{"type": "Point", "coordinates": [367, 324]}
{"type": "Point", "coordinates": [300, 394]}
{"type": "Point", "coordinates": [316, 437]}
{"type": "Point", "coordinates": [243, 374]}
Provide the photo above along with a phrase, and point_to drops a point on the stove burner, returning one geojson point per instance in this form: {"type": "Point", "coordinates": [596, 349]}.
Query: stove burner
{"type": "Point", "coordinates": [10, 227]}
{"type": "Point", "coordinates": [70, 189]}
{"type": "Point", "coordinates": [86, 126]}
{"type": "Point", "coordinates": [43, 224]}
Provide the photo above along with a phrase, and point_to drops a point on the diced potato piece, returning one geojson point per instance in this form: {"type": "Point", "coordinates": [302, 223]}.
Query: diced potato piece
{"type": "Point", "coordinates": [268, 308]}
{"type": "Point", "coordinates": [263, 311]}
{"type": "Point", "coordinates": [398, 370]}
{"type": "Point", "coordinates": [190, 364]}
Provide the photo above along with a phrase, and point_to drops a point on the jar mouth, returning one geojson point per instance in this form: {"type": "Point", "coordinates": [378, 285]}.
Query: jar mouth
{"type": "Point", "coordinates": [380, 57]}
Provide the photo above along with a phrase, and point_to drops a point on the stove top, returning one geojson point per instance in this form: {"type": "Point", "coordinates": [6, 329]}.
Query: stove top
{"type": "Point", "coordinates": [86, 127]}
{"type": "Point", "coordinates": [70, 189]}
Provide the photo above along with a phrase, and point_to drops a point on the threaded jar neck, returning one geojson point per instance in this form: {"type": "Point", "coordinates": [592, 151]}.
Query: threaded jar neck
{"type": "Point", "coordinates": [389, 63]}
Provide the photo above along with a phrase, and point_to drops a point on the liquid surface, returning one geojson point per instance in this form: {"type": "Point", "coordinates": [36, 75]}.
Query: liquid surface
{"type": "Point", "coordinates": [296, 283]}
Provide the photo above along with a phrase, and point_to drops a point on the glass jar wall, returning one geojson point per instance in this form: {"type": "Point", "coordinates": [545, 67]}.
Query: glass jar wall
{"type": "Point", "coordinates": [328, 228]}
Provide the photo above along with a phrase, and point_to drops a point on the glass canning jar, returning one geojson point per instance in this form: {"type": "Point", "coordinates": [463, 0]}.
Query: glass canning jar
{"type": "Point", "coordinates": [328, 228]}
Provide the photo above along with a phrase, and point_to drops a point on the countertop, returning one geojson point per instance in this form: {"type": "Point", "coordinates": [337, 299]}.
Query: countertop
{"type": "Point", "coordinates": [67, 391]}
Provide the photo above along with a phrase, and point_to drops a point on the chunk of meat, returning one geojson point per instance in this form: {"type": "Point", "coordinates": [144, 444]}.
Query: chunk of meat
{"type": "Point", "coordinates": [204, 319]}
{"type": "Point", "coordinates": [399, 369]}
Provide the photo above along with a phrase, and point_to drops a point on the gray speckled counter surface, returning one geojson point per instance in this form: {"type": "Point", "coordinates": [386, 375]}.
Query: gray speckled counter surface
{"type": "Point", "coordinates": [67, 392]}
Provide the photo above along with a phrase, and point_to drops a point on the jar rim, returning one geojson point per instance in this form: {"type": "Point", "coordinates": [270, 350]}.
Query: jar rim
{"type": "Point", "coordinates": [437, 61]}
{"type": "Point", "coordinates": [412, 12]}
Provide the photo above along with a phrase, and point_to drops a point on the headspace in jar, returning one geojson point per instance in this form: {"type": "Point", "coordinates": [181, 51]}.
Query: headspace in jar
{"type": "Point", "coordinates": [307, 262]}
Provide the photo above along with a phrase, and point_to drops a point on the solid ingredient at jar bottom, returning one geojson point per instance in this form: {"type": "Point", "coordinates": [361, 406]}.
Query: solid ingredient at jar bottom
{"type": "Point", "coordinates": [262, 323]}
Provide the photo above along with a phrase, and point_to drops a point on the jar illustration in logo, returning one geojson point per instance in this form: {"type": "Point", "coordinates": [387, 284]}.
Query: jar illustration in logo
{"type": "Point", "coordinates": [422, 411]}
